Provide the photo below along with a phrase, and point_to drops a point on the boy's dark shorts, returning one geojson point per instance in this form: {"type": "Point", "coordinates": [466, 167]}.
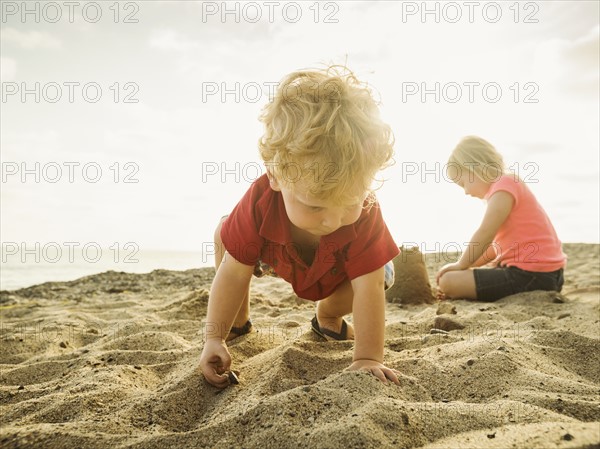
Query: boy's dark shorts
{"type": "Point", "coordinates": [495, 283]}
{"type": "Point", "coordinates": [262, 269]}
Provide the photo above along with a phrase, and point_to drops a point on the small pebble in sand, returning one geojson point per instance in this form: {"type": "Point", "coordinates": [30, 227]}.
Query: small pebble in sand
{"type": "Point", "coordinates": [291, 324]}
{"type": "Point", "coordinates": [567, 437]}
{"type": "Point", "coordinates": [233, 379]}
{"type": "Point", "coordinates": [446, 307]}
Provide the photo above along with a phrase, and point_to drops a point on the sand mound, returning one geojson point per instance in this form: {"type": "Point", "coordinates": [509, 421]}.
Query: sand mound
{"type": "Point", "coordinates": [111, 361]}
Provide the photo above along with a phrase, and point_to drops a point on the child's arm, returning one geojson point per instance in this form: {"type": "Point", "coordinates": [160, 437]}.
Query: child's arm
{"type": "Point", "coordinates": [498, 209]}
{"type": "Point", "coordinates": [488, 255]}
{"type": "Point", "coordinates": [226, 295]}
{"type": "Point", "coordinates": [368, 310]}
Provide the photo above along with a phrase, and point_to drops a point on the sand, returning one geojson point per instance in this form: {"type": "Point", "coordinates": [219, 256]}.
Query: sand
{"type": "Point", "coordinates": [111, 360]}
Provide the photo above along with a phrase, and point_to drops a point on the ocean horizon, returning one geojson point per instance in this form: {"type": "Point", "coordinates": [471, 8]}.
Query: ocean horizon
{"type": "Point", "coordinates": [16, 273]}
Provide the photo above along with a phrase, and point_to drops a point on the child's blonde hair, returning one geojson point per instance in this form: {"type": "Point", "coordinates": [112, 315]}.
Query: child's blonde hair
{"type": "Point", "coordinates": [476, 156]}
{"type": "Point", "coordinates": [323, 128]}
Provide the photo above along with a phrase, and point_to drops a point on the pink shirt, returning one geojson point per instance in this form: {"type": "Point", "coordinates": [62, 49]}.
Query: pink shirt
{"type": "Point", "coordinates": [527, 239]}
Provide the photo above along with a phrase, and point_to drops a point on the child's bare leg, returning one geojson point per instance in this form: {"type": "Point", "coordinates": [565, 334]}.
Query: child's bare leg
{"type": "Point", "coordinates": [331, 309]}
{"type": "Point", "coordinates": [459, 284]}
{"type": "Point", "coordinates": [243, 313]}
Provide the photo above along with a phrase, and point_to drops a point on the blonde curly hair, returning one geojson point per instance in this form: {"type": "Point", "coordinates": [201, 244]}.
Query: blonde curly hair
{"type": "Point", "coordinates": [323, 128]}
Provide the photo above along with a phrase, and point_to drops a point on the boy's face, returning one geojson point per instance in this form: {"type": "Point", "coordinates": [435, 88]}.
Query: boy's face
{"type": "Point", "coordinates": [315, 216]}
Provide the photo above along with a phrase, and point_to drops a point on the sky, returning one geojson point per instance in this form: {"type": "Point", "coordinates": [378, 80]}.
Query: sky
{"type": "Point", "coordinates": [136, 123]}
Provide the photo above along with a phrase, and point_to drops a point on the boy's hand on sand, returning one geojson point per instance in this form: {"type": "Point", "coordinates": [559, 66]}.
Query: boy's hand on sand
{"type": "Point", "coordinates": [379, 370]}
{"type": "Point", "coordinates": [448, 267]}
{"type": "Point", "coordinates": [215, 362]}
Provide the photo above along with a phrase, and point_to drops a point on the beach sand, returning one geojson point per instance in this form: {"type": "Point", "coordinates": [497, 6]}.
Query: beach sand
{"type": "Point", "coordinates": [111, 360]}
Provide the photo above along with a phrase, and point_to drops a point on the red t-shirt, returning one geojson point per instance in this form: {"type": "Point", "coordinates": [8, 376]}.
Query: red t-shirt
{"type": "Point", "coordinates": [258, 228]}
{"type": "Point", "coordinates": [526, 239]}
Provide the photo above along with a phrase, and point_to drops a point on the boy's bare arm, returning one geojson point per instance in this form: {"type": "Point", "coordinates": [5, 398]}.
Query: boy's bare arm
{"type": "Point", "coordinates": [368, 311]}
{"type": "Point", "coordinates": [226, 294]}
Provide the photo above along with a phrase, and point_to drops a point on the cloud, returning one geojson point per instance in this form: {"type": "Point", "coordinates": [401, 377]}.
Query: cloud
{"type": "Point", "coordinates": [31, 39]}
{"type": "Point", "coordinates": [572, 64]}
{"type": "Point", "coordinates": [8, 69]}
{"type": "Point", "coordinates": [173, 41]}
{"type": "Point", "coordinates": [538, 147]}
{"type": "Point", "coordinates": [581, 57]}
{"type": "Point", "coordinates": [585, 50]}
{"type": "Point", "coordinates": [197, 55]}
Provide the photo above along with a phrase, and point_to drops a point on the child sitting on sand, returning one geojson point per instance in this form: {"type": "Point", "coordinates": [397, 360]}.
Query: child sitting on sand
{"type": "Point", "coordinates": [312, 219]}
{"type": "Point", "coordinates": [515, 237]}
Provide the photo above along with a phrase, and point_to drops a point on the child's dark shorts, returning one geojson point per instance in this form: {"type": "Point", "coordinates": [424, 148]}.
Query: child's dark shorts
{"type": "Point", "coordinates": [262, 269]}
{"type": "Point", "coordinates": [494, 283]}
